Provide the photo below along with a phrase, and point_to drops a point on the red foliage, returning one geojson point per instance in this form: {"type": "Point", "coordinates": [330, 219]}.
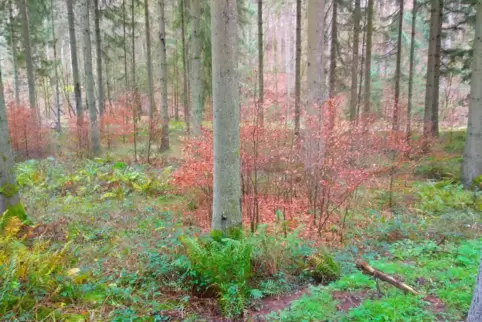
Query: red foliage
{"type": "Point", "coordinates": [302, 181]}
{"type": "Point", "coordinates": [27, 136]}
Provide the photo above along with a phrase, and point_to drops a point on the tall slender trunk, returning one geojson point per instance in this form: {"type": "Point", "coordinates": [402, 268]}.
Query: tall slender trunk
{"type": "Point", "coordinates": [28, 54]}
{"type": "Point", "coordinates": [428, 128]}
{"type": "Point", "coordinates": [410, 72]}
{"type": "Point", "coordinates": [75, 64]}
{"type": "Point", "coordinates": [360, 75]}
{"type": "Point", "coordinates": [56, 70]}
{"type": "Point", "coordinates": [436, 76]}
{"type": "Point", "coordinates": [150, 79]}
{"type": "Point", "coordinates": [136, 112]}
{"type": "Point", "coordinates": [260, 64]}
{"type": "Point", "coordinates": [9, 196]}
{"type": "Point", "coordinates": [98, 42]}
{"type": "Point", "coordinates": [196, 82]}
{"type": "Point", "coordinates": [354, 72]}
{"type": "Point", "coordinates": [227, 165]}
{"type": "Point", "coordinates": [298, 69]}
{"type": "Point", "coordinates": [13, 45]}
{"type": "Point", "coordinates": [89, 80]}
{"type": "Point", "coordinates": [396, 107]}
{"type": "Point", "coordinates": [176, 83]}
{"type": "Point", "coordinates": [124, 33]}
{"type": "Point", "coordinates": [185, 72]}
{"type": "Point", "coordinates": [163, 76]}
{"type": "Point", "coordinates": [368, 60]}
{"type": "Point", "coordinates": [333, 49]}
{"type": "Point", "coordinates": [472, 158]}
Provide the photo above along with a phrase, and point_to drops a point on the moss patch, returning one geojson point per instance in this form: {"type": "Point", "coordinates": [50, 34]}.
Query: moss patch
{"type": "Point", "coordinates": [14, 211]}
{"type": "Point", "coordinates": [8, 190]}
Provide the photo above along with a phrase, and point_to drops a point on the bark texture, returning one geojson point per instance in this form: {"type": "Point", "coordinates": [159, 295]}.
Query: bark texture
{"type": "Point", "coordinates": [28, 53]}
{"type": "Point", "coordinates": [196, 83]}
{"type": "Point", "coordinates": [227, 181]}
{"type": "Point", "coordinates": [163, 76]}
{"type": "Point", "coordinates": [75, 62]}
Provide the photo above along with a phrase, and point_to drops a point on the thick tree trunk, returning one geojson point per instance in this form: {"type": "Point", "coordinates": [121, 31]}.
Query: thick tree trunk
{"type": "Point", "coordinates": [298, 69]}
{"type": "Point", "coordinates": [75, 64]}
{"type": "Point", "coordinates": [260, 64]}
{"type": "Point", "coordinates": [368, 60]}
{"type": "Point", "coordinates": [354, 71]}
{"type": "Point", "coordinates": [333, 49]}
{"type": "Point", "coordinates": [9, 197]}
{"type": "Point", "coordinates": [98, 43]}
{"type": "Point", "coordinates": [150, 78]}
{"type": "Point", "coordinates": [13, 46]}
{"type": "Point", "coordinates": [163, 75]}
{"type": "Point", "coordinates": [396, 105]}
{"type": "Point", "coordinates": [475, 311]}
{"type": "Point", "coordinates": [56, 70]}
{"type": "Point", "coordinates": [410, 73]}
{"type": "Point", "coordinates": [185, 72]}
{"type": "Point", "coordinates": [227, 181]}
{"type": "Point", "coordinates": [472, 160]}
{"type": "Point", "coordinates": [28, 53]}
{"type": "Point", "coordinates": [89, 80]}
{"type": "Point", "coordinates": [196, 82]}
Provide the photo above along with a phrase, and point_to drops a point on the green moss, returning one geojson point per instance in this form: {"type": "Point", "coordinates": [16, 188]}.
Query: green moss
{"type": "Point", "coordinates": [14, 211]}
{"type": "Point", "coordinates": [8, 190]}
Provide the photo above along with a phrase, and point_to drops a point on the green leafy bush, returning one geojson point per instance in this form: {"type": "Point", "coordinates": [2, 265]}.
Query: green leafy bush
{"type": "Point", "coordinates": [441, 197]}
{"type": "Point", "coordinates": [323, 267]}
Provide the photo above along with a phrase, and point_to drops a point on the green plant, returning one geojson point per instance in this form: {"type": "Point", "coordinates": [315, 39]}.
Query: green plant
{"type": "Point", "coordinates": [441, 197]}
{"type": "Point", "coordinates": [221, 265]}
{"type": "Point", "coordinates": [323, 267]}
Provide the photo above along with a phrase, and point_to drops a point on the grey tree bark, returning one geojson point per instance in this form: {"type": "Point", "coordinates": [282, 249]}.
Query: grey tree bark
{"type": "Point", "coordinates": [89, 80]}
{"type": "Point", "coordinates": [428, 128]}
{"type": "Point", "coordinates": [56, 70]}
{"type": "Point", "coordinates": [98, 43]}
{"type": "Point", "coordinates": [196, 83]}
{"type": "Point", "coordinates": [22, 6]}
{"type": "Point", "coordinates": [354, 74]}
{"type": "Point", "coordinates": [16, 83]}
{"type": "Point", "coordinates": [436, 77]}
{"type": "Point", "coordinates": [298, 69]}
{"type": "Point", "coordinates": [396, 107]}
{"type": "Point", "coordinates": [9, 197]}
{"type": "Point", "coordinates": [368, 60]}
{"type": "Point", "coordinates": [163, 76]}
{"type": "Point", "coordinates": [227, 167]}
{"type": "Point", "coordinates": [472, 158]}
{"type": "Point", "coordinates": [260, 64]}
{"type": "Point", "coordinates": [410, 72]}
{"type": "Point", "coordinates": [75, 63]}
{"type": "Point", "coordinates": [150, 77]}
{"type": "Point", "coordinates": [333, 49]}
{"type": "Point", "coordinates": [185, 72]}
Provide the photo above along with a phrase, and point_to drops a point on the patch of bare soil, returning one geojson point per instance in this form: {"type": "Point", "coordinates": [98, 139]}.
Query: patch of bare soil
{"type": "Point", "coordinates": [348, 300]}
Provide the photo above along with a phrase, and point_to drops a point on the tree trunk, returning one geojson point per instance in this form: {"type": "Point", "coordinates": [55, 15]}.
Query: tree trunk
{"type": "Point", "coordinates": [98, 42]}
{"type": "Point", "coordinates": [396, 105]}
{"type": "Point", "coordinates": [150, 78]}
{"type": "Point", "coordinates": [354, 71]}
{"type": "Point", "coordinates": [136, 110]}
{"type": "Point", "coordinates": [196, 82]}
{"type": "Point", "coordinates": [9, 197]}
{"type": "Point", "coordinates": [260, 64]}
{"type": "Point", "coordinates": [428, 128]}
{"type": "Point", "coordinates": [75, 64]}
{"type": "Point", "coordinates": [89, 80]}
{"type": "Point", "coordinates": [472, 160]}
{"type": "Point", "coordinates": [333, 49]}
{"type": "Point", "coordinates": [475, 311]}
{"type": "Point", "coordinates": [410, 73]}
{"type": "Point", "coordinates": [124, 32]}
{"type": "Point", "coordinates": [56, 70]}
{"type": "Point", "coordinates": [368, 60]}
{"type": "Point", "coordinates": [298, 69]}
{"type": "Point", "coordinates": [227, 180]}
{"type": "Point", "coordinates": [163, 75]}
{"type": "Point", "coordinates": [13, 45]}
{"type": "Point", "coordinates": [315, 82]}
{"type": "Point", "coordinates": [28, 53]}
{"type": "Point", "coordinates": [185, 72]}
{"type": "Point", "coordinates": [436, 77]}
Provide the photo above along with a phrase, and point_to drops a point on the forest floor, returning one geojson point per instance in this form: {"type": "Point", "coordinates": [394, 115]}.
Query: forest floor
{"type": "Point", "coordinates": [106, 245]}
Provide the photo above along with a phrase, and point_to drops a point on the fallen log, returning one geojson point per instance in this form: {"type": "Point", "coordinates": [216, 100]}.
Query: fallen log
{"type": "Point", "coordinates": [367, 269]}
